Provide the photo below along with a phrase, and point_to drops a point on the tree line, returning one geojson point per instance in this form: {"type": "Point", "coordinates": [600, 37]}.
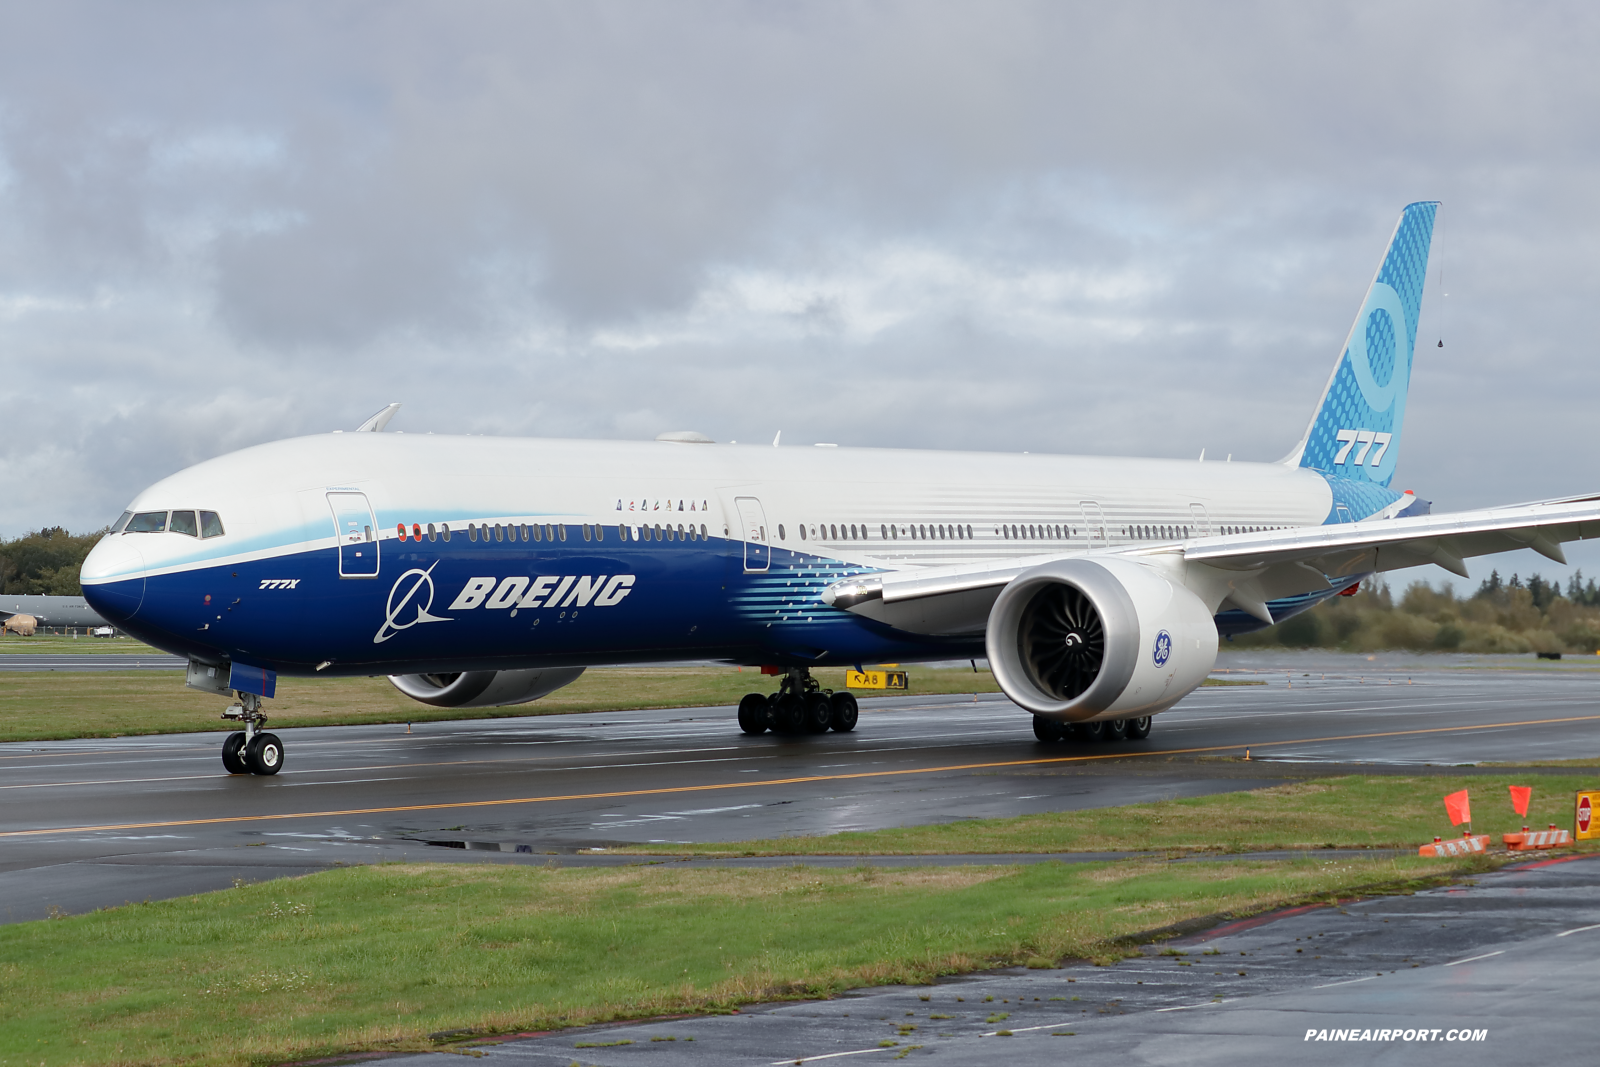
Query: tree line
{"type": "Point", "coordinates": [1503, 615]}
{"type": "Point", "coordinates": [45, 562]}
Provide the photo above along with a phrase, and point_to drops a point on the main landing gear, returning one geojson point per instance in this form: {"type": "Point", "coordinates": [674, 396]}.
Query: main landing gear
{"type": "Point", "coordinates": [1047, 730]}
{"type": "Point", "coordinates": [800, 706]}
{"type": "Point", "coordinates": [251, 751]}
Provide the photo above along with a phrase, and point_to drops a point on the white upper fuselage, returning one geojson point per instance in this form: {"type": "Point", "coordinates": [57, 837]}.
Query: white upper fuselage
{"type": "Point", "coordinates": [272, 497]}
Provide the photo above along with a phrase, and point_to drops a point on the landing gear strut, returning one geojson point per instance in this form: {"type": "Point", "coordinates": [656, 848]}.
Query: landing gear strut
{"type": "Point", "coordinates": [800, 705]}
{"type": "Point", "coordinates": [251, 750]}
{"type": "Point", "coordinates": [1049, 730]}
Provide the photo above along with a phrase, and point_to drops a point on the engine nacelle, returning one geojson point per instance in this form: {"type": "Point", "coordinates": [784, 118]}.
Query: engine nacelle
{"type": "Point", "coordinates": [484, 689]}
{"type": "Point", "coordinates": [1081, 639]}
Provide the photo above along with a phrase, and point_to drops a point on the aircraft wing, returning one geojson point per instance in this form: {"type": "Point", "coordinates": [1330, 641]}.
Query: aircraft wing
{"type": "Point", "coordinates": [1238, 570]}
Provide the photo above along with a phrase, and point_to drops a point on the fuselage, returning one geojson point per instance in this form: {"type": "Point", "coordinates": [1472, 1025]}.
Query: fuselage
{"type": "Point", "coordinates": [384, 553]}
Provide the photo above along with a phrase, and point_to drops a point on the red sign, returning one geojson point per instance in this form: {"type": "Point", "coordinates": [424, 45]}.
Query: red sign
{"type": "Point", "coordinates": [1585, 810]}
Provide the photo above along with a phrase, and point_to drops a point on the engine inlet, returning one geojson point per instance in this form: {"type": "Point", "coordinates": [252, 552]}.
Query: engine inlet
{"type": "Point", "coordinates": [1062, 641]}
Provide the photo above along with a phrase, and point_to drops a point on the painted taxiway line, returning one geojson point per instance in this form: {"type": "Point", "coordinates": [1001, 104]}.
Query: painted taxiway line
{"type": "Point", "coordinates": [803, 780]}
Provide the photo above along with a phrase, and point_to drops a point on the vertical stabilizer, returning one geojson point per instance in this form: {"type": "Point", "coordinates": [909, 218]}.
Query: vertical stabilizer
{"type": "Point", "coordinates": [1355, 433]}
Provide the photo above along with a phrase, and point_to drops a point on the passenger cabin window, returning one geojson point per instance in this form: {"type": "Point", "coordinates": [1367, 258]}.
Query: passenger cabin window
{"type": "Point", "coordinates": [561, 530]}
{"type": "Point", "coordinates": [147, 522]}
{"type": "Point", "coordinates": [444, 531]}
{"type": "Point", "coordinates": [183, 522]}
{"type": "Point", "coordinates": [472, 532]}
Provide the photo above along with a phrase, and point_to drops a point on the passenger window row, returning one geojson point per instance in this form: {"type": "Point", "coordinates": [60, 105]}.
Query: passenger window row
{"type": "Point", "coordinates": [828, 531]}
{"type": "Point", "coordinates": [664, 532]}
{"type": "Point", "coordinates": [1034, 532]}
{"type": "Point", "coordinates": [1156, 533]}
{"type": "Point", "coordinates": [536, 532]}
{"type": "Point", "coordinates": [1173, 533]}
{"type": "Point", "coordinates": [192, 523]}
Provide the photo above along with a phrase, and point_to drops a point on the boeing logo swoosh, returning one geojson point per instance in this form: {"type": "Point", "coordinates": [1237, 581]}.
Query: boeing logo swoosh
{"type": "Point", "coordinates": [408, 598]}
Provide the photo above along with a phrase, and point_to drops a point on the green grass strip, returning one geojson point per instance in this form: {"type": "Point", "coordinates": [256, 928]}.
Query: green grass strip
{"type": "Point", "coordinates": [380, 957]}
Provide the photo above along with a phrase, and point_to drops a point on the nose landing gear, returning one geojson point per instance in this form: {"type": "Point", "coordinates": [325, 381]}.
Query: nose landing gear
{"type": "Point", "coordinates": [800, 705]}
{"type": "Point", "coordinates": [251, 750]}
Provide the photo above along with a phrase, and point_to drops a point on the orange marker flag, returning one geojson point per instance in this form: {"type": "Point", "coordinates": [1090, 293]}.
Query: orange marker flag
{"type": "Point", "coordinates": [1458, 807]}
{"type": "Point", "coordinates": [1520, 795]}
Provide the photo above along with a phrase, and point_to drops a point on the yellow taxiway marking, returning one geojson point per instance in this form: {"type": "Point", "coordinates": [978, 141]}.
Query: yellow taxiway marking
{"type": "Point", "coordinates": [806, 779]}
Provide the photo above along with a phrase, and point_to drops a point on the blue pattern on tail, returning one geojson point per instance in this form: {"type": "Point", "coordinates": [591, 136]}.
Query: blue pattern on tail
{"type": "Point", "coordinates": [1356, 432]}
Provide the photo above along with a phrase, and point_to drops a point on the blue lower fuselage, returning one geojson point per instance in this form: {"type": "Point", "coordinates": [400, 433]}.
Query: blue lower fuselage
{"type": "Point", "coordinates": [687, 600]}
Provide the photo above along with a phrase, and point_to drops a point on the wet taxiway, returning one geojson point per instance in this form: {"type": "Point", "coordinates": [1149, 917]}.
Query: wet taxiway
{"type": "Point", "coordinates": [93, 823]}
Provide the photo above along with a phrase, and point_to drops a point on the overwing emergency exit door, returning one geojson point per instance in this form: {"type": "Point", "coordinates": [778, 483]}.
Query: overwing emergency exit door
{"type": "Point", "coordinates": [753, 520]}
{"type": "Point", "coordinates": [1094, 523]}
{"type": "Point", "coordinates": [358, 535]}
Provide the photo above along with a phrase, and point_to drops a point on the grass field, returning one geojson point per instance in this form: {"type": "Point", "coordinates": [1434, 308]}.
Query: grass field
{"type": "Point", "coordinates": [379, 957]}
{"type": "Point", "coordinates": [1346, 812]}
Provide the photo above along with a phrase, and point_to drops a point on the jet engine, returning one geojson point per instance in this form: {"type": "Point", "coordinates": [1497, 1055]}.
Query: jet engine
{"type": "Point", "coordinates": [484, 689]}
{"type": "Point", "coordinates": [1080, 639]}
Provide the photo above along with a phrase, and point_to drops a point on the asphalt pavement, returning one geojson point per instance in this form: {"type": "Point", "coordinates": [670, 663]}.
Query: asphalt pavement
{"type": "Point", "coordinates": [93, 823]}
{"type": "Point", "coordinates": [92, 661]}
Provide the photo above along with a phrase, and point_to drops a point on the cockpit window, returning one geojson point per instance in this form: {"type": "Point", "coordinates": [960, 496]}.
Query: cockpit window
{"type": "Point", "coordinates": [210, 524]}
{"type": "Point", "coordinates": [183, 522]}
{"type": "Point", "coordinates": [147, 522]}
{"type": "Point", "coordinates": [117, 526]}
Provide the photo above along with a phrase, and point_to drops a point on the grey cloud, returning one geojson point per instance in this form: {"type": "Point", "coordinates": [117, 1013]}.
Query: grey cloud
{"type": "Point", "coordinates": [1139, 229]}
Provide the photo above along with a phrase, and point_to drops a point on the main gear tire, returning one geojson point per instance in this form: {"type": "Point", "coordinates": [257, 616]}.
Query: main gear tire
{"type": "Point", "coordinates": [754, 712]}
{"type": "Point", "coordinates": [1117, 730]}
{"type": "Point", "coordinates": [1048, 730]}
{"type": "Point", "coordinates": [845, 712]}
{"type": "Point", "coordinates": [1090, 731]}
{"type": "Point", "coordinates": [1139, 729]}
{"type": "Point", "coordinates": [233, 754]}
{"type": "Point", "coordinates": [818, 713]}
{"type": "Point", "coordinates": [788, 715]}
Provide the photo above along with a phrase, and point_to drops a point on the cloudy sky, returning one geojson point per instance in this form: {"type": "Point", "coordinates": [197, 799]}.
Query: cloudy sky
{"type": "Point", "coordinates": [1130, 229]}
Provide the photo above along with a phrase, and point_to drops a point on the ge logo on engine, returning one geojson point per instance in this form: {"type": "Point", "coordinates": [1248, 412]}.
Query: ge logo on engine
{"type": "Point", "coordinates": [1163, 649]}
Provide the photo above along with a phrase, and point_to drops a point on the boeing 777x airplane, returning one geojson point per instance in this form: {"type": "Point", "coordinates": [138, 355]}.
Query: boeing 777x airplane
{"type": "Point", "coordinates": [483, 572]}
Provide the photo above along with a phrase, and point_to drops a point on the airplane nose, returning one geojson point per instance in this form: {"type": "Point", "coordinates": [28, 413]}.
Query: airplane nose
{"type": "Point", "coordinates": [113, 578]}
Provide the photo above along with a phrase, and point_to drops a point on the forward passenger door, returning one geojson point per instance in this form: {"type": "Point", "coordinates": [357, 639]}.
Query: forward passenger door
{"type": "Point", "coordinates": [753, 531]}
{"type": "Point", "coordinates": [357, 532]}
